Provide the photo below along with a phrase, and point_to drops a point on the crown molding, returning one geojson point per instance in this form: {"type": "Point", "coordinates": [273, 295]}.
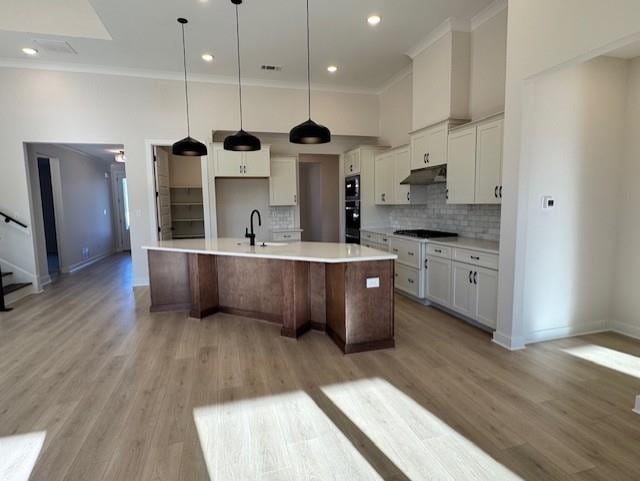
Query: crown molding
{"type": "Point", "coordinates": [176, 76]}
{"type": "Point", "coordinates": [397, 77]}
{"type": "Point", "coordinates": [493, 9]}
{"type": "Point", "coordinates": [451, 24]}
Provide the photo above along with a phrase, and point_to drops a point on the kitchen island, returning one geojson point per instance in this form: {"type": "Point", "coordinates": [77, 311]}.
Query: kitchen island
{"type": "Point", "coordinates": [345, 290]}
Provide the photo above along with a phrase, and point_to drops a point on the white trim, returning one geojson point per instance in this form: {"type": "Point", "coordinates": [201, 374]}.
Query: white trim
{"type": "Point", "coordinates": [626, 329]}
{"type": "Point", "coordinates": [44, 280]}
{"type": "Point", "coordinates": [486, 14]}
{"type": "Point", "coordinates": [176, 76]}
{"type": "Point", "coordinates": [397, 77]}
{"type": "Point", "coordinates": [509, 343]}
{"type": "Point", "coordinates": [451, 24]}
{"type": "Point", "coordinates": [637, 408]}
{"type": "Point", "coordinates": [15, 296]}
{"type": "Point", "coordinates": [565, 332]}
{"type": "Point", "coordinates": [85, 263]}
{"type": "Point", "coordinates": [58, 208]}
{"type": "Point", "coordinates": [10, 267]}
{"type": "Point", "coordinates": [141, 282]}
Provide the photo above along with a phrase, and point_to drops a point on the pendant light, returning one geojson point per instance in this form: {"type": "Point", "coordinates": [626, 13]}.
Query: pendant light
{"type": "Point", "coordinates": [188, 146]}
{"type": "Point", "coordinates": [241, 141]}
{"type": "Point", "coordinates": [309, 132]}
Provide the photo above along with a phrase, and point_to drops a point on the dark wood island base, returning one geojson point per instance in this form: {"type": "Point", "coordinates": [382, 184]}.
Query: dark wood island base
{"type": "Point", "coordinates": [351, 301]}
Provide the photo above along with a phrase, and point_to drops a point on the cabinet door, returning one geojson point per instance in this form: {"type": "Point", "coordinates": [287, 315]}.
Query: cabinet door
{"type": "Point", "coordinates": [383, 179]}
{"type": "Point", "coordinates": [228, 163]}
{"type": "Point", "coordinates": [486, 299]}
{"type": "Point", "coordinates": [283, 181]}
{"type": "Point", "coordinates": [401, 170]}
{"type": "Point", "coordinates": [407, 279]}
{"type": "Point", "coordinates": [461, 168]}
{"type": "Point", "coordinates": [462, 289]}
{"type": "Point", "coordinates": [419, 150]}
{"type": "Point", "coordinates": [439, 280]}
{"type": "Point", "coordinates": [437, 145]}
{"type": "Point", "coordinates": [352, 163]}
{"type": "Point", "coordinates": [489, 163]}
{"type": "Point", "coordinates": [257, 164]}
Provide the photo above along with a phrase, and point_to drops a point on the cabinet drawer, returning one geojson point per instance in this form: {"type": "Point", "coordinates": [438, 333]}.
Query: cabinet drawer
{"type": "Point", "coordinates": [408, 279]}
{"type": "Point", "coordinates": [439, 251]}
{"type": "Point", "coordinates": [476, 258]}
{"type": "Point", "coordinates": [286, 236]}
{"type": "Point", "coordinates": [408, 252]}
{"type": "Point", "coordinates": [372, 237]}
{"type": "Point", "coordinates": [374, 245]}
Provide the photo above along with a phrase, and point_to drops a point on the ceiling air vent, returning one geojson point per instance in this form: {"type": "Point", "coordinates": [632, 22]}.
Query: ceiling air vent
{"type": "Point", "coordinates": [54, 46]}
{"type": "Point", "coordinates": [271, 68]}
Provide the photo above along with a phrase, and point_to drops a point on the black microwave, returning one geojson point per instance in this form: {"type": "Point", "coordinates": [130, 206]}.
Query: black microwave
{"type": "Point", "coordinates": [352, 187]}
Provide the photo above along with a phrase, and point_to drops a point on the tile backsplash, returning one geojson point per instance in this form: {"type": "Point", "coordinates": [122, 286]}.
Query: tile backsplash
{"type": "Point", "coordinates": [282, 217]}
{"type": "Point", "coordinates": [477, 221]}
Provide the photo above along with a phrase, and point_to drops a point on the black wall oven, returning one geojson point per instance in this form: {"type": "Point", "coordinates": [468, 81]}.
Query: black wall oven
{"type": "Point", "coordinates": [352, 209]}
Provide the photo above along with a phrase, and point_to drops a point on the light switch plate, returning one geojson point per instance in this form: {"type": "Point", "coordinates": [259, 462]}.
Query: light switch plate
{"type": "Point", "coordinates": [548, 202]}
{"type": "Point", "coordinates": [373, 282]}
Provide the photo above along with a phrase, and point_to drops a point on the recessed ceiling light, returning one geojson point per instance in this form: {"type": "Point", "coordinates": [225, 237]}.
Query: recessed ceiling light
{"type": "Point", "coordinates": [374, 19]}
{"type": "Point", "coordinates": [332, 69]}
{"type": "Point", "coordinates": [30, 51]}
{"type": "Point", "coordinates": [207, 57]}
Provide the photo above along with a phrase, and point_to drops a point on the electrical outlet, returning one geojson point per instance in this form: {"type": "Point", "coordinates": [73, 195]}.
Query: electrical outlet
{"type": "Point", "coordinates": [548, 202]}
{"type": "Point", "coordinates": [373, 282]}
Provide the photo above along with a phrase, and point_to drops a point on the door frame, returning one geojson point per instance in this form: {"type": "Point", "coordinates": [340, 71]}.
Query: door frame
{"type": "Point", "coordinates": [119, 172]}
{"type": "Point", "coordinates": [208, 189]}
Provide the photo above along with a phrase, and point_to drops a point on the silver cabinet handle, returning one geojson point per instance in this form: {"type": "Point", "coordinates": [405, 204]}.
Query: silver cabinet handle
{"type": "Point", "coordinates": [475, 278]}
{"type": "Point", "coordinates": [470, 277]}
{"type": "Point", "coordinates": [495, 192]}
{"type": "Point", "coordinates": [425, 158]}
{"type": "Point", "coordinates": [500, 192]}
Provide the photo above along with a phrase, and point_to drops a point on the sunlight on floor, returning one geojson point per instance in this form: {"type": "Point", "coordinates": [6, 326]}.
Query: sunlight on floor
{"type": "Point", "coordinates": [610, 358]}
{"type": "Point", "coordinates": [18, 455]}
{"type": "Point", "coordinates": [416, 441]}
{"type": "Point", "coordinates": [282, 437]}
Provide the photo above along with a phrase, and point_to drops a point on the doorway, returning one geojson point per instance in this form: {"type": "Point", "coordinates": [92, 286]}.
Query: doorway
{"type": "Point", "coordinates": [319, 197]}
{"type": "Point", "coordinates": [121, 206]}
{"type": "Point", "coordinates": [49, 216]}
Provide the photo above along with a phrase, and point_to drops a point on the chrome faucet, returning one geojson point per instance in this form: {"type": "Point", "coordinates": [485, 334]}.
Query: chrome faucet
{"type": "Point", "coordinates": [251, 235]}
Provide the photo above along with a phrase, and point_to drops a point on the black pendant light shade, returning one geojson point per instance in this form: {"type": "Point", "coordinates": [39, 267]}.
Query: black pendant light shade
{"type": "Point", "coordinates": [188, 146]}
{"type": "Point", "coordinates": [309, 132]}
{"type": "Point", "coordinates": [241, 141]}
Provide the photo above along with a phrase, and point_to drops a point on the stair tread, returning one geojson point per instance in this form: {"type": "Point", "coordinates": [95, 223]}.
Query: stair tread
{"type": "Point", "coordinates": [5, 274]}
{"type": "Point", "coordinates": [9, 288]}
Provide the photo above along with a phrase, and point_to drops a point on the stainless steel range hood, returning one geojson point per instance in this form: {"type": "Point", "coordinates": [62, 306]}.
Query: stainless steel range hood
{"type": "Point", "coordinates": [427, 176]}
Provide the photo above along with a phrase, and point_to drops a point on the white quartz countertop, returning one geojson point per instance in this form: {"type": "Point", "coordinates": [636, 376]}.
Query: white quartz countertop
{"type": "Point", "coordinates": [325, 252]}
{"type": "Point", "coordinates": [492, 247]}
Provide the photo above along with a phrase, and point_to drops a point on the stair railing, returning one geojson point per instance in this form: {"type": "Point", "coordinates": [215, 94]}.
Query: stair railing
{"type": "Point", "coordinates": [7, 219]}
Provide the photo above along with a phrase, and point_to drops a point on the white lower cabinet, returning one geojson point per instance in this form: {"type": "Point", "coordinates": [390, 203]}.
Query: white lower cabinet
{"type": "Point", "coordinates": [475, 292]}
{"type": "Point", "coordinates": [439, 280]}
{"type": "Point", "coordinates": [408, 280]}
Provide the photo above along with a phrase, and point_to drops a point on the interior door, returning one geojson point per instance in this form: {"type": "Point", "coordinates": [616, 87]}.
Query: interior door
{"type": "Point", "coordinates": [163, 193]}
{"type": "Point", "coordinates": [122, 209]}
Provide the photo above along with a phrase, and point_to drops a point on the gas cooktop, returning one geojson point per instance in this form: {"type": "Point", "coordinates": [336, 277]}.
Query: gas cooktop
{"type": "Point", "coordinates": [424, 233]}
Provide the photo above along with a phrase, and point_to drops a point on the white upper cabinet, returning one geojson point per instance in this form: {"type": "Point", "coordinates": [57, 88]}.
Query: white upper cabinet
{"type": "Point", "coordinates": [283, 182]}
{"type": "Point", "coordinates": [352, 163]}
{"type": "Point", "coordinates": [461, 168]}
{"type": "Point", "coordinates": [441, 77]}
{"type": "Point", "coordinates": [384, 173]}
{"type": "Point", "coordinates": [401, 170]}
{"type": "Point", "coordinates": [474, 170]}
{"type": "Point", "coordinates": [241, 164]}
{"type": "Point", "coordinates": [489, 163]}
{"type": "Point", "coordinates": [429, 146]}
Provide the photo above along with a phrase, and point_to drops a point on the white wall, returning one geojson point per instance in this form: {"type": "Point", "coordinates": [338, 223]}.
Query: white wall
{"type": "Point", "coordinates": [488, 66]}
{"type": "Point", "coordinates": [235, 199]}
{"type": "Point", "coordinates": [575, 139]}
{"type": "Point", "coordinates": [184, 171]}
{"type": "Point", "coordinates": [626, 301]}
{"type": "Point", "coordinates": [85, 218]}
{"type": "Point", "coordinates": [542, 35]}
{"type": "Point", "coordinates": [396, 111]}
{"type": "Point", "coordinates": [63, 107]}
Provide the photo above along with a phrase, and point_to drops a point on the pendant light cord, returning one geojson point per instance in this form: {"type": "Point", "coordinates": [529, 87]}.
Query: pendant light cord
{"type": "Point", "coordinates": [186, 89]}
{"type": "Point", "coordinates": [239, 72]}
{"type": "Point", "coordinates": [308, 63]}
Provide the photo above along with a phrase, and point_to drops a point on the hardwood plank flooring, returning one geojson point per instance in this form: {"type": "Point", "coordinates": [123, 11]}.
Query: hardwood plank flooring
{"type": "Point", "coordinates": [115, 388]}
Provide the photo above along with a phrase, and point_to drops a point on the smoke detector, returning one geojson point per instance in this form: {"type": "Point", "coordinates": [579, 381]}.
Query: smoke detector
{"type": "Point", "coordinates": [54, 46]}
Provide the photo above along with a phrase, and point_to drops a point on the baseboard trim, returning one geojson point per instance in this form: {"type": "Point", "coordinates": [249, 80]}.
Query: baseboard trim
{"type": "Point", "coordinates": [14, 297]}
{"type": "Point", "coordinates": [85, 263]}
{"type": "Point", "coordinates": [626, 329]}
{"type": "Point", "coordinates": [20, 274]}
{"type": "Point", "coordinates": [637, 408]}
{"type": "Point", "coordinates": [568, 331]}
{"type": "Point", "coordinates": [507, 342]}
{"type": "Point", "coordinates": [141, 282]}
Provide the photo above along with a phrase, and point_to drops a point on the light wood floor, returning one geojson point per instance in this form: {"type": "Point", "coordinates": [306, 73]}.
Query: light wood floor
{"type": "Point", "coordinates": [115, 388]}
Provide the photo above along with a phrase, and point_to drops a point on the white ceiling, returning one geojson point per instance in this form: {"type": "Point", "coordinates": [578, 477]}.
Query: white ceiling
{"type": "Point", "coordinates": [145, 35]}
{"type": "Point", "coordinates": [104, 152]}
